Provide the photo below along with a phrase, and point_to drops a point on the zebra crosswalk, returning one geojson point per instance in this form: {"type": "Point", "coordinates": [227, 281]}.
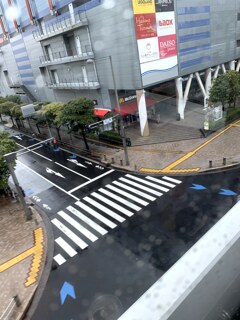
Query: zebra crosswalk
{"type": "Point", "coordinates": [95, 215]}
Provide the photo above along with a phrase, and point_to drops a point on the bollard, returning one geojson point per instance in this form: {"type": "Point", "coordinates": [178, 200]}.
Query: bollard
{"type": "Point", "coordinates": [105, 157]}
{"type": "Point", "coordinates": [113, 161]}
{"type": "Point", "coordinates": [17, 300]}
{"type": "Point", "coordinates": [210, 163]}
{"type": "Point", "coordinates": [135, 167]}
{"type": "Point", "coordinates": [224, 161]}
{"type": "Point", "coordinates": [121, 162]}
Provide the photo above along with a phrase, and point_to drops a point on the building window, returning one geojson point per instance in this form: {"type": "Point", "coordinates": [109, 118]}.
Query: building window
{"type": "Point", "coordinates": [54, 76]}
{"type": "Point", "coordinates": [238, 16]}
{"type": "Point", "coordinates": [5, 72]}
{"type": "Point", "coordinates": [238, 43]}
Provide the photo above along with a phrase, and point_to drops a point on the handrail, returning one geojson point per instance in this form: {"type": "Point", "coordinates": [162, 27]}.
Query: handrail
{"type": "Point", "coordinates": [61, 55]}
{"type": "Point", "coordinates": [60, 24]}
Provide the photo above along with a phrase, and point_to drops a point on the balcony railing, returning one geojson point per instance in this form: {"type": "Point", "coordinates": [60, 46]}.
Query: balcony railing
{"type": "Point", "coordinates": [63, 56]}
{"type": "Point", "coordinates": [64, 84]}
{"type": "Point", "coordinates": [61, 25]}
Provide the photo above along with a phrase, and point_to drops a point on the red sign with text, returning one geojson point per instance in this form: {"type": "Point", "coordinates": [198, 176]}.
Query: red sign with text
{"type": "Point", "coordinates": [167, 46]}
{"type": "Point", "coordinates": [145, 25]}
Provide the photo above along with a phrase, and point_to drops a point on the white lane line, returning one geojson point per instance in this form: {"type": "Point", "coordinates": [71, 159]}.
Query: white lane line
{"type": "Point", "coordinates": [170, 185]}
{"type": "Point", "coordinates": [66, 247]}
{"type": "Point", "coordinates": [121, 200]}
{"type": "Point", "coordinates": [31, 150]}
{"type": "Point", "coordinates": [172, 180]}
{"type": "Point", "coordinates": [88, 221]}
{"type": "Point", "coordinates": [141, 187]}
{"type": "Point", "coordinates": [126, 194]}
{"type": "Point", "coordinates": [96, 215]}
{"type": "Point", "coordinates": [71, 235]}
{"type": "Point", "coordinates": [77, 226]}
{"type": "Point", "coordinates": [104, 209]}
{"type": "Point", "coordinates": [94, 179]}
{"type": "Point", "coordinates": [112, 204]}
{"type": "Point", "coordinates": [139, 193]}
{"type": "Point", "coordinates": [147, 183]}
{"type": "Point", "coordinates": [81, 175]}
{"type": "Point", "coordinates": [59, 259]}
{"type": "Point", "coordinates": [55, 185]}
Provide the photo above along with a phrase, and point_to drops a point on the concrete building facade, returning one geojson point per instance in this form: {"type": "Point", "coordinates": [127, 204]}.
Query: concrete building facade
{"type": "Point", "coordinates": [58, 50]}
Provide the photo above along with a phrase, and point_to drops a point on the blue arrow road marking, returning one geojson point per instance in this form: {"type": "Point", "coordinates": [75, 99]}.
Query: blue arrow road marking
{"type": "Point", "coordinates": [73, 156]}
{"type": "Point", "coordinates": [198, 187]}
{"type": "Point", "coordinates": [226, 192]}
{"type": "Point", "coordinates": [67, 290]}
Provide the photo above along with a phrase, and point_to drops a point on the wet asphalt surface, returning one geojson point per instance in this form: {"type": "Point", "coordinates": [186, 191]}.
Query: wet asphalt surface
{"type": "Point", "coordinates": [111, 273]}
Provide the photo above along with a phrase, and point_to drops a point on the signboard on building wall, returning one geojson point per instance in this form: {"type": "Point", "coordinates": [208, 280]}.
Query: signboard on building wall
{"type": "Point", "coordinates": [156, 39]}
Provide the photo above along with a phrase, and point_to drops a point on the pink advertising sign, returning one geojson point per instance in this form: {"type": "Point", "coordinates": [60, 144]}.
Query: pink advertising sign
{"type": "Point", "coordinates": [167, 46]}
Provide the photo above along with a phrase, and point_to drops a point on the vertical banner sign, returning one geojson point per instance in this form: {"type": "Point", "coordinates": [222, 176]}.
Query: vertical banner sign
{"type": "Point", "coordinates": [156, 39]}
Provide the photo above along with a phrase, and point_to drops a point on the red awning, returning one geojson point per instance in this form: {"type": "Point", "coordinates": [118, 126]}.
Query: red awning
{"type": "Point", "coordinates": [131, 106]}
{"type": "Point", "coordinates": [100, 112]}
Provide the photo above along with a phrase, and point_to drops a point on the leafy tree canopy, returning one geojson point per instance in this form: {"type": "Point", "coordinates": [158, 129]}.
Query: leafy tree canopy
{"type": "Point", "coordinates": [16, 112]}
{"type": "Point", "coordinates": [226, 88]}
{"type": "Point", "coordinates": [14, 98]}
{"type": "Point", "coordinates": [78, 113]}
{"type": "Point", "coordinates": [7, 145]}
{"type": "Point", "coordinates": [5, 107]}
{"type": "Point", "coordinates": [50, 112]}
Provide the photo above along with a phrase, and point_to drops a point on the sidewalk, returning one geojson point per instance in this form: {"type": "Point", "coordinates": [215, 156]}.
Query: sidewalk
{"type": "Point", "coordinates": [22, 258]}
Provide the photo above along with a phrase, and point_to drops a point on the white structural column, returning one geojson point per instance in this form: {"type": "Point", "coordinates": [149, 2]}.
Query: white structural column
{"type": "Point", "coordinates": [208, 81]}
{"type": "Point", "coordinates": [142, 110]}
{"type": "Point", "coordinates": [238, 66]}
{"type": "Point", "coordinates": [232, 65]}
{"type": "Point", "coordinates": [182, 96]}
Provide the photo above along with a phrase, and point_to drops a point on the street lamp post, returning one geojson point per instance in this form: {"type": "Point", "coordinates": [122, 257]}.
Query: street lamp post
{"type": "Point", "coordinates": [118, 107]}
{"type": "Point", "coordinates": [9, 160]}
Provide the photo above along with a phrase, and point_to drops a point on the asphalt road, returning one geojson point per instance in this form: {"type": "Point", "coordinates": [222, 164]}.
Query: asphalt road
{"type": "Point", "coordinates": [115, 233]}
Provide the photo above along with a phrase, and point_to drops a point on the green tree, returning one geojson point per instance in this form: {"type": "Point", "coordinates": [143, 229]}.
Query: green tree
{"type": "Point", "coordinates": [14, 98]}
{"type": "Point", "coordinates": [226, 88]}
{"type": "Point", "coordinates": [220, 90]}
{"type": "Point", "coordinates": [77, 114]}
{"type": "Point", "coordinates": [7, 145]}
{"type": "Point", "coordinates": [5, 108]}
{"type": "Point", "coordinates": [50, 112]}
{"type": "Point", "coordinates": [234, 85]}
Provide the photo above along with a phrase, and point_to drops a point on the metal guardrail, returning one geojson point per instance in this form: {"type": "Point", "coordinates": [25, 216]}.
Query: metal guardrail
{"type": "Point", "coordinates": [15, 302]}
{"type": "Point", "coordinates": [62, 56]}
{"type": "Point", "coordinates": [60, 25]}
{"type": "Point", "coordinates": [76, 84]}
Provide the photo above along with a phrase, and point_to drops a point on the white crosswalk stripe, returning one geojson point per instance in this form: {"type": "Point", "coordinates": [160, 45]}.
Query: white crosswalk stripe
{"type": "Point", "coordinates": [88, 221]}
{"type": "Point", "coordinates": [139, 193]}
{"type": "Point", "coordinates": [96, 215]}
{"type": "Point", "coordinates": [78, 226]}
{"type": "Point", "coordinates": [168, 184]}
{"type": "Point", "coordinates": [59, 259]}
{"type": "Point", "coordinates": [71, 235]}
{"type": "Point", "coordinates": [147, 182]}
{"type": "Point", "coordinates": [66, 247]}
{"type": "Point", "coordinates": [112, 204]}
{"type": "Point", "coordinates": [172, 180]}
{"type": "Point", "coordinates": [119, 199]}
{"type": "Point", "coordinates": [126, 195]}
{"type": "Point", "coordinates": [105, 209]}
{"type": "Point", "coordinates": [141, 187]}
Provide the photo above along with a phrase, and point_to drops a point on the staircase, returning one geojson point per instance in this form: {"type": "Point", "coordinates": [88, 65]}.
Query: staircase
{"type": "Point", "coordinates": [163, 132]}
{"type": "Point", "coordinates": [28, 93]}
